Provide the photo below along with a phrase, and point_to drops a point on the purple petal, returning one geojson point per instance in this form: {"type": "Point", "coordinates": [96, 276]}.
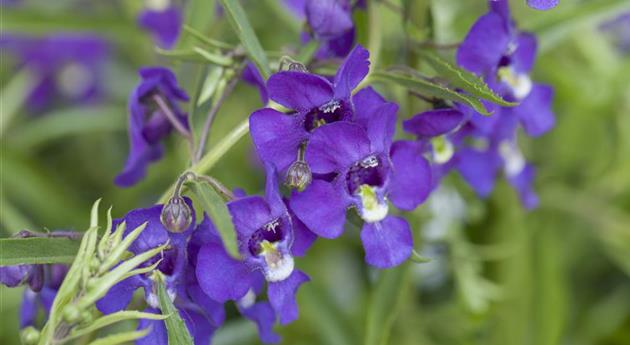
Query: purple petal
{"type": "Point", "coordinates": [410, 182]}
{"type": "Point", "coordinates": [524, 56]}
{"type": "Point", "coordinates": [264, 317]}
{"type": "Point", "coordinates": [322, 208]}
{"type": "Point", "coordinates": [535, 111]}
{"type": "Point", "coordinates": [542, 5]}
{"type": "Point", "coordinates": [479, 169]}
{"type": "Point", "coordinates": [157, 330]}
{"type": "Point", "coordinates": [328, 17]}
{"type": "Point", "coordinates": [522, 182]}
{"type": "Point", "coordinates": [338, 46]}
{"type": "Point", "coordinates": [352, 71]}
{"type": "Point", "coordinates": [252, 76]}
{"type": "Point", "coordinates": [272, 192]}
{"type": "Point", "coordinates": [276, 136]}
{"type": "Point", "coordinates": [119, 296]}
{"type": "Point", "coordinates": [213, 310]}
{"type": "Point", "coordinates": [282, 296]}
{"type": "Point", "coordinates": [220, 276]}
{"type": "Point", "coordinates": [164, 25]}
{"type": "Point", "coordinates": [433, 123]}
{"type": "Point", "coordinates": [387, 243]}
{"type": "Point", "coordinates": [28, 308]}
{"type": "Point", "coordinates": [336, 146]}
{"type": "Point", "coordinates": [297, 7]}
{"type": "Point", "coordinates": [381, 126]}
{"type": "Point", "coordinates": [303, 238]}
{"type": "Point", "coordinates": [365, 102]}
{"type": "Point", "coordinates": [249, 214]}
{"type": "Point", "coordinates": [299, 91]}
{"type": "Point", "coordinates": [198, 326]}
{"type": "Point", "coordinates": [484, 45]}
{"type": "Point", "coordinates": [12, 276]}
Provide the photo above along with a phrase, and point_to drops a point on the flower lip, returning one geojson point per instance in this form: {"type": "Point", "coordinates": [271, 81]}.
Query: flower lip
{"type": "Point", "coordinates": [329, 112]}
{"type": "Point", "coordinates": [369, 171]}
{"type": "Point", "coordinates": [272, 232]}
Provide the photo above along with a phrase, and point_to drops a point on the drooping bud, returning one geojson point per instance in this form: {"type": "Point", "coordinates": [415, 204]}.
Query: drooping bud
{"type": "Point", "coordinates": [176, 215]}
{"type": "Point", "coordinates": [299, 175]}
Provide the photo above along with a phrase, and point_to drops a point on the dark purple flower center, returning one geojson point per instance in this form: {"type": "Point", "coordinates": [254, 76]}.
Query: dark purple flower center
{"type": "Point", "coordinates": [330, 112]}
{"type": "Point", "coordinates": [168, 263]}
{"type": "Point", "coordinates": [271, 232]}
{"type": "Point", "coordinates": [369, 171]}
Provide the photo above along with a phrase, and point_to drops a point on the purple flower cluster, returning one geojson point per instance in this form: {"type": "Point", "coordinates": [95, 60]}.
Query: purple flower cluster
{"type": "Point", "coordinates": [478, 146]}
{"type": "Point", "coordinates": [347, 143]}
{"type": "Point", "coordinates": [329, 22]}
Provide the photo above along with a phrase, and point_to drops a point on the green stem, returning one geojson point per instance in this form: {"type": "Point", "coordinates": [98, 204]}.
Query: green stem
{"type": "Point", "coordinates": [213, 156]}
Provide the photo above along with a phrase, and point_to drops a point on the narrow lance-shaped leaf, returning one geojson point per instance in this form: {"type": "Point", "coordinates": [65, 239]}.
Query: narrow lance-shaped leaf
{"type": "Point", "coordinates": [110, 319]}
{"type": "Point", "coordinates": [120, 338]}
{"type": "Point", "coordinates": [175, 326]}
{"type": "Point", "coordinates": [384, 304]}
{"type": "Point", "coordinates": [464, 80]}
{"type": "Point", "coordinates": [429, 88]}
{"type": "Point", "coordinates": [214, 205]}
{"type": "Point", "coordinates": [37, 250]}
{"type": "Point", "coordinates": [236, 15]}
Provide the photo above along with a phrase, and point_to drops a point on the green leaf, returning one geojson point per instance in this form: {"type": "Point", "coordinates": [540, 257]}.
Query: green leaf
{"type": "Point", "coordinates": [37, 250]}
{"type": "Point", "coordinates": [384, 304]}
{"type": "Point", "coordinates": [209, 85]}
{"type": "Point", "coordinates": [464, 80]}
{"type": "Point", "coordinates": [214, 205]}
{"type": "Point", "coordinates": [110, 319]}
{"type": "Point", "coordinates": [240, 24]}
{"type": "Point", "coordinates": [429, 88]}
{"type": "Point", "coordinates": [213, 58]}
{"type": "Point", "coordinates": [177, 330]}
{"type": "Point", "coordinates": [196, 17]}
{"type": "Point", "coordinates": [121, 338]}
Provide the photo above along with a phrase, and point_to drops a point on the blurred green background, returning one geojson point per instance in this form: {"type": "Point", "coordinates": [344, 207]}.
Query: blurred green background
{"type": "Point", "coordinates": [498, 275]}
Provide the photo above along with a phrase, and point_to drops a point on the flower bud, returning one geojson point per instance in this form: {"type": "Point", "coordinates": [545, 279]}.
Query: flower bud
{"type": "Point", "coordinates": [299, 175]}
{"type": "Point", "coordinates": [176, 215]}
{"type": "Point", "coordinates": [29, 335]}
{"type": "Point", "coordinates": [71, 314]}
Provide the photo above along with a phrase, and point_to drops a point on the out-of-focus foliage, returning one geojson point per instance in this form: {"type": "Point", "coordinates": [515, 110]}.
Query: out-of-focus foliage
{"type": "Point", "coordinates": [498, 275]}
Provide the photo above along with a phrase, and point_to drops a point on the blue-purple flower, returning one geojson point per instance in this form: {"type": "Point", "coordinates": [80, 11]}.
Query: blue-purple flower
{"type": "Point", "coordinates": [619, 30]}
{"type": "Point", "coordinates": [42, 283]}
{"type": "Point", "coordinates": [163, 20]}
{"type": "Point", "coordinates": [368, 172]}
{"type": "Point", "coordinates": [314, 101]}
{"type": "Point", "coordinates": [153, 113]}
{"type": "Point", "coordinates": [329, 22]}
{"type": "Point", "coordinates": [202, 316]}
{"type": "Point", "coordinates": [65, 66]}
{"type": "Point", "coordinates": [268, 239]}
{"type": "Point", "coordinates": [542, 5]}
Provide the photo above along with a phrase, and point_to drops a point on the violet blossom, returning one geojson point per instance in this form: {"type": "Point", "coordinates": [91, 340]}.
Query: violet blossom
{"type": "Point", "coordinates": [163, 20]}
{"type": "Point", "coordinates": [153, 113]}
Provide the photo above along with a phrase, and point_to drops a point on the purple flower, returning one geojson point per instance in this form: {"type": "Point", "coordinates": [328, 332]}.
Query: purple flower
{"type": "Point", "coordinates": [329, 22]}
{"type": "Point", "coordinates": [154, 112]}
{"type": "Point", "coordinates": [268, 240]}
{"type": "Point", "coordinates": [369, 170]}
{"type": "Point", "coordinates": [252, 76]}
{"type": "Point", "coordinates": [43, 283]}
{"type": "Point", "coordinates": [202, 315]}
{"type": "Point", "coordinates": [314, 100]}
{"type": "Point", "coordinates": [67, 66]}
{"type": "Point", "coordinates": [163, 21]}
{"type": "Point", "coordinates": [542, 5]}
